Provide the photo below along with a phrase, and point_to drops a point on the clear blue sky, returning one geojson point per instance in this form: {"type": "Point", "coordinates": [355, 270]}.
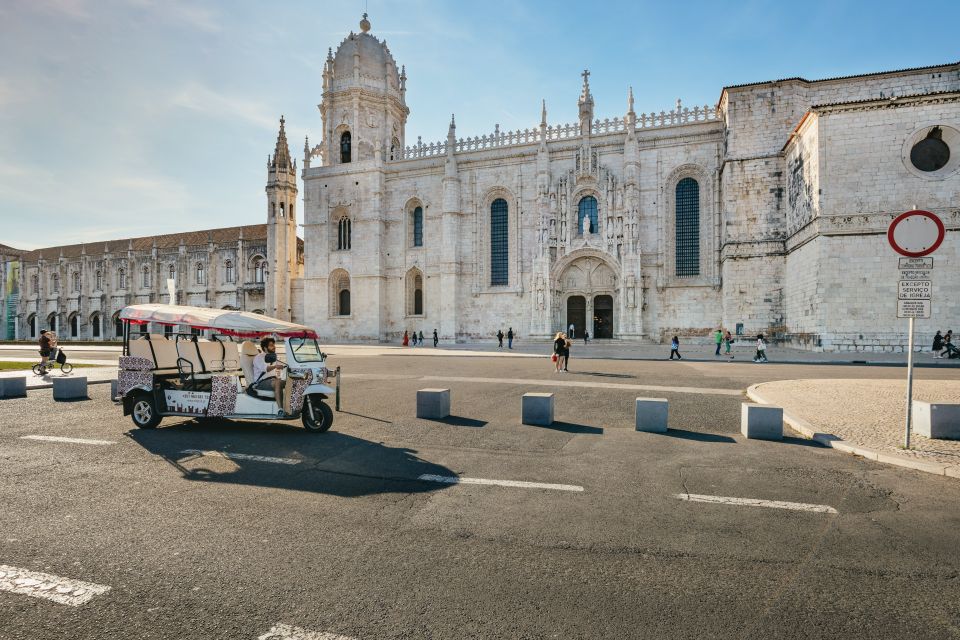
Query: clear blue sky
{"type": "Point", "coordinates": [136, 117]}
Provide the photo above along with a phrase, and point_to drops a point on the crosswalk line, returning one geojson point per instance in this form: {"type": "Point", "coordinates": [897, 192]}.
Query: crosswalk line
{"type": "Point", "coordinates": [239, 456]}
{"type": "Point", "coordinates": [500, 483]}
{"type": "Point", "coordinates": [67, 440]}
{"type": "Point", "coordinates": [752, 502]}
{"type": "Point", "coordinates": [49, 587]}
{"type": "Point", "coordinates": [288, 632]}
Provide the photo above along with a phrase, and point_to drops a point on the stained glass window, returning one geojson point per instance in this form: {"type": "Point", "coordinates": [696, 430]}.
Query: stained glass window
{"type": "Point", "coordinates": [688, 228]}
{"type": "Point", "coordinates": [499, 243]}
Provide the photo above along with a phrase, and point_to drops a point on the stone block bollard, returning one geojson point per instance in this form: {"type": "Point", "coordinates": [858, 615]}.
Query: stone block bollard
{"type": "Point", "coordinates": [938, 420]}
{"type": "Point", "coordinates": [760, 421]}
{"type": "Point", "coordinates": [70, 388]}
{"type": "Point", "coordinates": [433, 404]}
{"type": "Point", "coordinates": [114, 387]}
{"type": "Point", "coordinates": [13, 387]}
{"type": "Point", "coordinates": [652, 415]}
{"type": "Point", "coordinates": [537, 409]}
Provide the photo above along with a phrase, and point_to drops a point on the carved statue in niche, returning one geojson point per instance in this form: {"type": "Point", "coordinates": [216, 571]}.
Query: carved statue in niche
{"type": "Point", "coordinates": [371, 118]}
{"type": "Point", "coordinates": [620, 226]}
{"type": "Point", "coordinates": [609, 228]}
{"type": "Point", "coordinates": [344, 117]}
{"type": "Point", "coordinates": [563, 229]}
{"type": "Point", "coordinates": [585, 226]}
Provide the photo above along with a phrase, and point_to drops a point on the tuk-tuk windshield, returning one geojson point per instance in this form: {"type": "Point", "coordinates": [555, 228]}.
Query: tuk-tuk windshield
{"type": "Point", "coordinates": [305, 350]}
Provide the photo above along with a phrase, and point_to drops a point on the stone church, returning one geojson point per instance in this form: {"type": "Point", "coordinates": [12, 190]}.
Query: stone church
{"type": "Point", "coordinates": [766, 212]}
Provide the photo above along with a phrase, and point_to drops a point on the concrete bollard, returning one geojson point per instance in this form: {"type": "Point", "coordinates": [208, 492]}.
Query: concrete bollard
{"type": "Point", "coordinates": [114, 386]}
{"type": "Point", "coordinates": [761, 422]}
{"type": "Point", "coordinates": [433, 404]}
{"type": "Point", "coordinates": [938, 420]}
{"type": "Point", "coordinates": [652, 415]}
{"type": "Point", "coordinates": [537, 409]}
{"type": "Point", "coordinates": [13, 387]}
{"type": "Point", "coordinates": [70, 388]}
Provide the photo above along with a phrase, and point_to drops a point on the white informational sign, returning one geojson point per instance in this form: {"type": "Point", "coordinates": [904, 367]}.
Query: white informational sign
{"type": "Point", "coordinates": [916, 268]}
{"type": "Point", "coordinates": [913, 308]}
{"type": "Point", "coordinates": [914, 289]}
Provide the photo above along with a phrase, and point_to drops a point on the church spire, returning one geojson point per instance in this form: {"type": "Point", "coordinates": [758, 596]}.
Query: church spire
{"type": "Point", "coordinates": [281, 155]}
{"type": "Point", "coordinates": [586, 105]}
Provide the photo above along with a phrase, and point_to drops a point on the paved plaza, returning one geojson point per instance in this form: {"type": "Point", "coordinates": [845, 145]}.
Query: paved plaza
{"type": "Point", "coordinates": [473, 526]}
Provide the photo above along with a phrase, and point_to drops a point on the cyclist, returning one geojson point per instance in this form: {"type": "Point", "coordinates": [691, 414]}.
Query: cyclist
{"type": "Point", "coordinates": [44, 349]}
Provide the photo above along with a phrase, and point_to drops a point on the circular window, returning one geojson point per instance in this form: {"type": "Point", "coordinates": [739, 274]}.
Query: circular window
{"type": "Point", "coordinates": [931, 153]}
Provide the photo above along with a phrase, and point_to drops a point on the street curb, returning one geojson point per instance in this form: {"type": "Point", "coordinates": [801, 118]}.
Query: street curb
{"type": "Point", "coordinates": [829, 440]}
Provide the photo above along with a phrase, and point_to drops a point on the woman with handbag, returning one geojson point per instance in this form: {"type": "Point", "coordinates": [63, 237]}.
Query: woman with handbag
{"type": "Point", "coordinates": [559, 341]}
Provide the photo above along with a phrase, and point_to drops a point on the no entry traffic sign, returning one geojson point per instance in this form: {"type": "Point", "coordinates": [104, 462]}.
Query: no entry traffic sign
{"type": "Point", "coordinates": [916, 233]}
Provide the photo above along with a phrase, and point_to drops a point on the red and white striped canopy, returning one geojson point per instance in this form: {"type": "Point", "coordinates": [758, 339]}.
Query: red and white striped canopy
{"type": "Point", "coordinates": [232, 323]}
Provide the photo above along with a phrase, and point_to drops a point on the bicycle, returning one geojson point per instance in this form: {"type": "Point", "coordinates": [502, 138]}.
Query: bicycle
{"type": "Point", "coordinates": [41, 369]}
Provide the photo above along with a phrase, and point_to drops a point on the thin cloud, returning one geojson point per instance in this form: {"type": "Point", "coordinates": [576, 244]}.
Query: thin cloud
{"type": "Point", "coordinates": [201, 99]}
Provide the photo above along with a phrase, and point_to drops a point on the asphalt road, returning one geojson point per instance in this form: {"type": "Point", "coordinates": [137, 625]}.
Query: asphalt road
{"type": "Point", "coordinates": [337, 534]}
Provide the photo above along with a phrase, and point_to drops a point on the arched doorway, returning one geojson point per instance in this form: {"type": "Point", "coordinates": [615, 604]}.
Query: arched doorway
{"type": "Point", "coordinates": [576, 316]}
{"type": "Point", "coordinates": [603, 317]}
{"type": "Point", "coordinates": [589, 288]}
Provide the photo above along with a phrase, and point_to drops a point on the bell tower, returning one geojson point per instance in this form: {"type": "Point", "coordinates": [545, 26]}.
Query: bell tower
{"type": "Point", "coordinates": [364, 105]}
{"type": "Point", "coordinates": [281, 228]}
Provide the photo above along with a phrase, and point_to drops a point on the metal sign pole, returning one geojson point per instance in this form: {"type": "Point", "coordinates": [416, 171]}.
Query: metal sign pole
{"type": "Point", "coordinates": [906, 435]}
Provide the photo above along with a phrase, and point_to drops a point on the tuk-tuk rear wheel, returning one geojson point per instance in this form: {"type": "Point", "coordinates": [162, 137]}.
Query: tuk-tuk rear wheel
{"type": "Point", "coordinates": [322, 418]}
{"type": "Point", "coordinates": [144, 412]}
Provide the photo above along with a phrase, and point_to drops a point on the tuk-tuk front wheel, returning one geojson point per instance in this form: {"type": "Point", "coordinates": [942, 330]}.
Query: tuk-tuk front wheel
{"type": "Point", "coordinates": [322, 417]}
{"type": "Point", "coordinates": [144, 412]}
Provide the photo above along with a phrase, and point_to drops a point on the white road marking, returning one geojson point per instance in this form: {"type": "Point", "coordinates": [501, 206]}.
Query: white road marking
{"type": "Point", "coordinates": [240, 456]}
{"type": "Point", "coordinates": [751, 502]}
{"type": "Point", "coordinates": [287, 632]}
{"type": "Point", "coordinates": [48, 587]}
{"type": "Point", "coordinates": [67, 440]}
{"type": "Point", "coordinates": [502, 483]}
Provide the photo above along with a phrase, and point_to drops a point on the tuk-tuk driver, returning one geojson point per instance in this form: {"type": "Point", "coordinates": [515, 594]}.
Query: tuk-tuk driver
{"type": "Point", "coordinates": [265, 374]}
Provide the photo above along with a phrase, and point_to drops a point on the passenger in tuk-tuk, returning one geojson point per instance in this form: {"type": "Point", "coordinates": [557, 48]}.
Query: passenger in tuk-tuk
{"type": "Point", "coordinates": [264, 372]}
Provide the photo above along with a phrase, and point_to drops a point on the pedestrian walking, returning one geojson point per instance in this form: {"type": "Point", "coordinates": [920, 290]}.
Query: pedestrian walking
{"type": "Point", "coordinates": [571, 329]}
{"type": "Point", "coordinates": [557, 357]}
{"type": "Point", "coordinates": [421, 337]}
{"type": "Point", "coordinates": [567, 343]}
{"type": "Point", "coordinates": [586, 337]}
{"type": "Point", "coordinates": [500, 338]}
{"type": "Point", "coordinates": [718, 338]}
{"type": "Point", "coordinates": [510, 338]}
{"type": "Point", "coordinates": [406, 339]}
{"type": "Point", "coordinates": [728, 340]}
{"type": "Point", "coordinates": [761, 349]}
{"type": "Point", "coordinates": [937, 345]}
{"type": "Point", "coordinates": [436, 338]}
{"type": "Point", "coordinates": [675, 348]}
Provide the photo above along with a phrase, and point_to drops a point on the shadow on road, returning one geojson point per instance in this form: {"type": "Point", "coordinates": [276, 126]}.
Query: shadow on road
{"type": "Point", "coordinates": [461, 421]}
{"type": "Point", "coordinates": [569, 427]}
{"type": "Point", "coordinates": [330, 463]}
{"type": "Point", "coordinates": [698, 436]}
{"type": "Point", "coordinates": [603, 375]}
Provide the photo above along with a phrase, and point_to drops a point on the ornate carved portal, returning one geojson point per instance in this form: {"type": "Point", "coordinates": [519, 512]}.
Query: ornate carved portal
{"type": "Point", "coordinates": [588, 291]}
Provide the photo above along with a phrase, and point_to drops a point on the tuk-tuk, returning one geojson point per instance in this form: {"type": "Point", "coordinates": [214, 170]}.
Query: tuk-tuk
{"type": "Point", "coordinates": [202, 367]}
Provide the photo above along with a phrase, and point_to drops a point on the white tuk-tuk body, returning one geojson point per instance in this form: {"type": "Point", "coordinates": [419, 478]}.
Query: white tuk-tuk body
{"type": "Point", "coordinates": [187, 375]}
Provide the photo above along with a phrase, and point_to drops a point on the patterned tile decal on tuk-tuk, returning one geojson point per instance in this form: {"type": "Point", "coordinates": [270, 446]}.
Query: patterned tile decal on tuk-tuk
{"type": "Point", "coordinates": [134, 372]}
{"type": "Point", "coordinates": [223, 396]}
{"type": "Point", "coordinates": [299, 387]}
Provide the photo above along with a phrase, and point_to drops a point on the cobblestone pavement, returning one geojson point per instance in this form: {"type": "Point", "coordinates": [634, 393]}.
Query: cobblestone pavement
{"type": "Point", "coordinates": [869, 413]}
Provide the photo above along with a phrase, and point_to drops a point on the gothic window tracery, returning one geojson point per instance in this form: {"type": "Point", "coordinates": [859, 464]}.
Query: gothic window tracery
{"type": "Point", "coordinates": [228, 271]}
{"type": "Point", "coordinates": [687, 228]}
{"type": "Point", "coordinates": [145, 277]}
{"type": "Point", "coordinates": [200, 273]}
{"type": "Point", "coordinates": [414, 283]}
{"type": "Point", "coordinates": [499, 243]}
{"type": "Point", "coordinates": [343, 234]}
{"type": "Point", "coordinates": [99, 279]}
{"type": "Point", "coordinates": [340, 280]}
{"type": "Point", "coordinates": [55, 283]}
{"type": "Point", "coordinates": [76, 281]}
{"type": "Point", "coordinates": [259, 270]}
{"type": "Point", "coordinates": [121, 278]}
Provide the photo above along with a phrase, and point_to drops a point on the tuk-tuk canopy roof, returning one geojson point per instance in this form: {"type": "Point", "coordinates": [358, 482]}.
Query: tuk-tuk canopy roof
{"type": "Point", "coordinates": [224, 321]}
